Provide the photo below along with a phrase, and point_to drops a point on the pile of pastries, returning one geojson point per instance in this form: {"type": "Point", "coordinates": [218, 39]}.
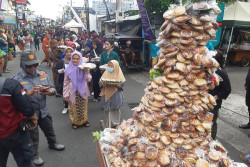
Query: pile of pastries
{"type": "Point", "coordinates": [172, 124]}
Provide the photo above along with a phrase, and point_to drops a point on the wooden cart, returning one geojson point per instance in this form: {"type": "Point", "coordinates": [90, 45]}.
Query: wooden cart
{"type": "Point", "coordinates": [239, 56]}
{"type": "Point", "coordinates": [101, 159]}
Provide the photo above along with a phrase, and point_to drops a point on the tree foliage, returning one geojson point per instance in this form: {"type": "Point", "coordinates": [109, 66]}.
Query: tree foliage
{"type": "Point", "coordinates": [157, 6]}
{"type": "Point", "coordinates": [160, 6]}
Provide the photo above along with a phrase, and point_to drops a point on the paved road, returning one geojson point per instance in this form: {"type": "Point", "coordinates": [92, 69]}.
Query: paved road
{"type": "Point", "coordinates": [80, 149]}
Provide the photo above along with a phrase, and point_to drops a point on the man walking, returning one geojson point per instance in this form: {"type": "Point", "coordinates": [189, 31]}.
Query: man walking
{"type": "Point", "coordinates": [38, 85]}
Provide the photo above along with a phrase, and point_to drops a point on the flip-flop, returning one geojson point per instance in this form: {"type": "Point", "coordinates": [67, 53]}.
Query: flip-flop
{"type": "Point", "coordinates": [74, 127]}
{"type": "Point", "coordinates": [243, 157]}
{"type": "Point", "coordinates": [87, 124]}
{"type": "Point", "coordinates": [244, 126]}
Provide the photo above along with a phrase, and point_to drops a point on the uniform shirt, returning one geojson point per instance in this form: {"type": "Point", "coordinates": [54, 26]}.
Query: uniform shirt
{"type": "Point", "coordinates": [28, 81]}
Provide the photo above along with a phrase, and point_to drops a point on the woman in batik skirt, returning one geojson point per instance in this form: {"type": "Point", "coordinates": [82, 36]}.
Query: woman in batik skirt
{"type": "Point", "coordinates": [76, 92]}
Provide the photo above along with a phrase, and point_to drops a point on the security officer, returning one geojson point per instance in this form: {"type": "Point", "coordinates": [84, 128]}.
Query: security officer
{"type": "Point", "coordinates": [14, 107]}
{"type": "Point", "coordinates": [38, 85]}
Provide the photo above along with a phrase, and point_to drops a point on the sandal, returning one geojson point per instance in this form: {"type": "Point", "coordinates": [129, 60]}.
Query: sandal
{"type": "Point", "coordinates": [74, 127]}
{"type": "Point", "coordinates": [87, 124]}
{"type": "Point", "coordinates": [95, 100]}
{"type": "Point", "coordinates": [244, 126]}
{"type": "Point", "coordinates": [243, 157]}
{"type": "Point", "coordinates": [58, 95]}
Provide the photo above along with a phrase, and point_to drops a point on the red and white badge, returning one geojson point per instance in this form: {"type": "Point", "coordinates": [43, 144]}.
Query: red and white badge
{"type": "Point", "coordinates": [23, 92]}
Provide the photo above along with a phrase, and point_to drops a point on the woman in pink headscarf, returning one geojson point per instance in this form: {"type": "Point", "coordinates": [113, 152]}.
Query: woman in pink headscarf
{"type": "Point", "coordinates": [76, 92]}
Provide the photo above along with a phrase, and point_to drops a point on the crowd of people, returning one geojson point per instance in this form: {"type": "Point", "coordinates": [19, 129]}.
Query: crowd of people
{"type": "Point", "coordinates": [63, 52]}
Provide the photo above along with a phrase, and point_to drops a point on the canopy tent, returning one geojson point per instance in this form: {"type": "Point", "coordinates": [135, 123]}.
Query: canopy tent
{"type": "Point", "coordinates": [237, 15]}
{"type": "Point", "coordinates": [72, 24]}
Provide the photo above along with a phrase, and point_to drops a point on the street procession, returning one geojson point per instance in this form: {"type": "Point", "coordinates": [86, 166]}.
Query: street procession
{"type": "Point", "coordinates": [124, 83]}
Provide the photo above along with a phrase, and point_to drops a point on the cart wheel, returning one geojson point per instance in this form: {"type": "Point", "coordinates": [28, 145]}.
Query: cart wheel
{"type": "Point", "coordinates": [231, 62]}
{"type": "Point", "coordinates": [244, 62]}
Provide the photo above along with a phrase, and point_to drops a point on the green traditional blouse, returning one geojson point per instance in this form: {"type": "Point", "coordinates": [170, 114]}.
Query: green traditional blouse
{"type": "Point", "coordinates": [105, 58]}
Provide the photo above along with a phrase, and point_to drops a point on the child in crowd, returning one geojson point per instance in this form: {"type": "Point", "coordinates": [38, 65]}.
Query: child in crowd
{"type": "Point", "coordinates": [112, 95]}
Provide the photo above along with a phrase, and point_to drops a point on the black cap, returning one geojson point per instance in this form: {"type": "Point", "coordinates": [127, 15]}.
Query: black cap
{"type": "Point", "coordinates": [29, 58]}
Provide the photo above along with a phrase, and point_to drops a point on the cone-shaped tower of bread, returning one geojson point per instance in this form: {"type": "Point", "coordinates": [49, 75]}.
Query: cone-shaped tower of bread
{"type": "Point", "coordinates": [172, 124]}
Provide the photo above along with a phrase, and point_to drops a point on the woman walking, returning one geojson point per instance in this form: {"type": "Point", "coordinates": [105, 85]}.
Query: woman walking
{"type": "Point", "coordinates": [76, 92]}
{"type": "Point", "coordinates": [54, 57]}
{"type": "Point", "coordinates": [112, 95]}
{"type": "Point", "coordinates": [109, 54]}
{"type": "Point", "coordinates": [27, 40]}
{"type": "Point", "coordinates": [96, 73]}
{"type": "Point", "coordinates": [20, 39]}
{"type": "Point", "coordinates": [60, 69]}
{"type": "Point", "coordinates": [46, 50]}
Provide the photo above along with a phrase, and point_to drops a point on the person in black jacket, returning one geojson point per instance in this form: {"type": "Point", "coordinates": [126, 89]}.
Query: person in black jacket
{"type": "Point", "coordinates": [247, 88]}
{"type": "Point", "coordinates": [59, 69]}
{"type": "Point", "coordinates": [219, 92]}
{"type": "Point", "coordinates": [14, 107]}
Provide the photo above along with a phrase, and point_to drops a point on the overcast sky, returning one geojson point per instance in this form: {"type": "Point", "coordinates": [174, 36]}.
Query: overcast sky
{"type": "Point", "coordinates": [52, 8]}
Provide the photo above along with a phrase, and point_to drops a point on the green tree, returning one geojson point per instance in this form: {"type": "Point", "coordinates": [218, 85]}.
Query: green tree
{"type": "Point", "coordinates": [157, 6]}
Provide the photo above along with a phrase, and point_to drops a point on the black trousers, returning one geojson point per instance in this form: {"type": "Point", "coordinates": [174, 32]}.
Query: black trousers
{"type": "Point", "coordinates": [19, 144]}
{"type": "Point", "coordinates": [214, 126]}
{"type": "Point", "coordinates": [37, 45]}
{"type": "Point", "coordinates": [47, 127]}
{"type": "Point", "coordinates": [96, 75]}
{"type": "Point", "coordinates": [248, 103]}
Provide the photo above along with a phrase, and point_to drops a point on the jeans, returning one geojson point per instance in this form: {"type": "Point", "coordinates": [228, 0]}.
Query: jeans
{"type": "Point", "coordinates": [19, 144]}
{"type": "Point", "coordinates": [47, 127]}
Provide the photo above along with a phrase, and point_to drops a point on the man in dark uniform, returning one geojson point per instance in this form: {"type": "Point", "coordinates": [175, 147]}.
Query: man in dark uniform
{"type": "Point", "coordinates": [38, 85]}
{"type": "Point", "coordinates": [14, 107]}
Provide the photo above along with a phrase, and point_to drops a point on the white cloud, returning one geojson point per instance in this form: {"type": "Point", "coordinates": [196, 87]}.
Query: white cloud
{"type": "Point", "coordinates": [51, 8]}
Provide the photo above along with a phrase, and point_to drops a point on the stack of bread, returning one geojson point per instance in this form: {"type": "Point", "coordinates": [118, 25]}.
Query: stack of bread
{"type": "Point", "coordinates": [172, 124]}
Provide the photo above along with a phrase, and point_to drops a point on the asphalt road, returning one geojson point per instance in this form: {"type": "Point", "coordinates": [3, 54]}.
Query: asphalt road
{"type": "Point", "coordinates": [81, 151]}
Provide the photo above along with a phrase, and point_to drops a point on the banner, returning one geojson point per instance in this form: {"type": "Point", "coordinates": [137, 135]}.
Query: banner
{"type": "Point", "coordinates": [148, 33]}
{"type": "Point", "coordinates": [7, 26]}
{"type": "Point", "coordinates": [78, 18]}
{"type": "Point", "coordinates": [21, 1]}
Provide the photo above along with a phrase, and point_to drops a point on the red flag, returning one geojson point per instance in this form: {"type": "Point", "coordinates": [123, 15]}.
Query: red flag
{"type": "Point", "coordinates": [21, 1]}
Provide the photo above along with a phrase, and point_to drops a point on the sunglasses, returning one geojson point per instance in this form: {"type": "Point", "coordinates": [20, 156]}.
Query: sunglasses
{"type": "Point", "coordinates": [30, 66]}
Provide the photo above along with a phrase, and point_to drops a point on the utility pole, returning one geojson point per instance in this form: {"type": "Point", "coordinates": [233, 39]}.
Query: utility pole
{"type": "Point", "coordinates": [87, 14]}
{"type": "Point", "coordinates": [107, 10]}
{"type": "Point", "coordinates": [16, 16]}
{"type": "Point", "coordinates": [118, 5]}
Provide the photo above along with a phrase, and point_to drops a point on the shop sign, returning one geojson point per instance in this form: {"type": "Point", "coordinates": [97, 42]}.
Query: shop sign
{"type": "Point", "coordinates": [7, 26]}
{"type": "Point", "coordinates": [21, 1]}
